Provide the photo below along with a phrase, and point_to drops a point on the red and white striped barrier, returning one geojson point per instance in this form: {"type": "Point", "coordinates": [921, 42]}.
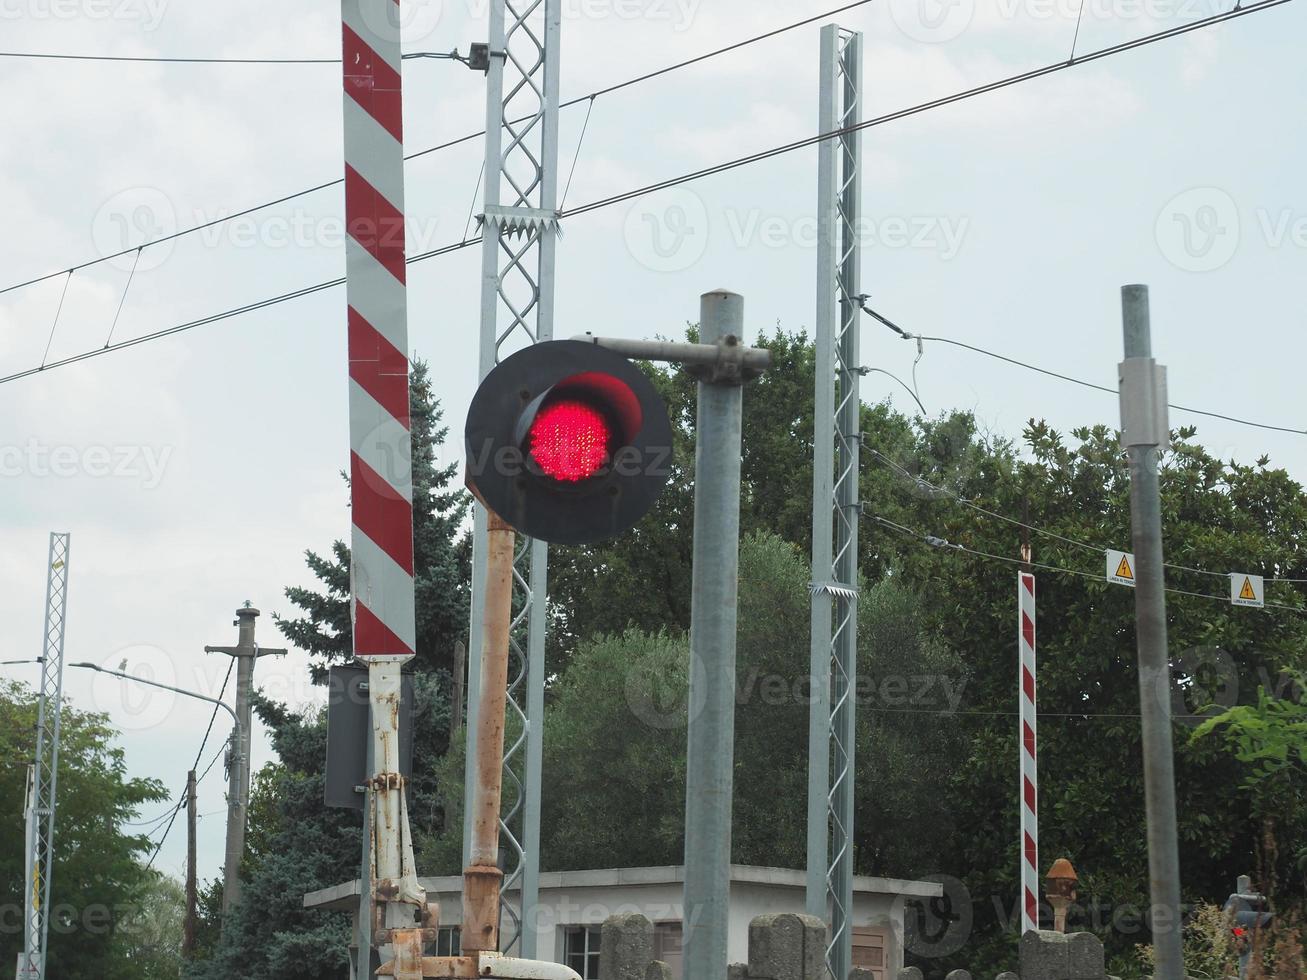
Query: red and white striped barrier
{"type": "Point", "coordinates": [1029, 775]}
{"type": "Point", "coordinates": [380, 468]}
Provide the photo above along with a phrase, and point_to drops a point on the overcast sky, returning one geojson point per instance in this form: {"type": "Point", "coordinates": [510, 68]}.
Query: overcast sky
{"type": "Point", "coordinates": [193, 472]}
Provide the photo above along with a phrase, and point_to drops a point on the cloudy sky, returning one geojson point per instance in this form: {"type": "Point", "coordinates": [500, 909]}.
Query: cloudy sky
{"type": "Point", "coordinates": [194, 471]}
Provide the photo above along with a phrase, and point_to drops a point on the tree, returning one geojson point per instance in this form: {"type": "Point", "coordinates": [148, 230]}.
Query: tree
{"type": "Point", "coordinates": [930, 491]}
{"type": "Point", "coordinates": [1269, 740]}
{"type": "Point", "coordinates": [441, 561]}
{"type": "Point", "coordinates": [615, 735]}
{"type": "Point", "coordinates": [151, 935]}
{"type": "Point", "coordinates": [98, 881]}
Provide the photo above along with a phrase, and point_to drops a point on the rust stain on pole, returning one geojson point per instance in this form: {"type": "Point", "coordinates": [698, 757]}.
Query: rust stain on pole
{"type": "Point", "coordinates": [482, 877]}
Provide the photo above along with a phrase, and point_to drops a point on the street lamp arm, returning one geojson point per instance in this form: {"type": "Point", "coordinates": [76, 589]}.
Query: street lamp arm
{"type": "Point", "coordinates": [235, 721]}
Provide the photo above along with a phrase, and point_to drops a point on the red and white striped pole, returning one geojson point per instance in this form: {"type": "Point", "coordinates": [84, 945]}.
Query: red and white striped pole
{"type": "Point", "coordinates": [381, 485]}
{"type": "Point", "coordinates": [1029, 775]}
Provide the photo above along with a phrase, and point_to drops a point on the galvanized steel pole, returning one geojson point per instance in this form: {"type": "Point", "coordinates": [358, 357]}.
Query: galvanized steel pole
{"type": "Point", "coordinates": [1143, 416]}
{"type": "Point", "coordinates": [837, 440]}
{"type": "Point", "coordinates": [714, 590]}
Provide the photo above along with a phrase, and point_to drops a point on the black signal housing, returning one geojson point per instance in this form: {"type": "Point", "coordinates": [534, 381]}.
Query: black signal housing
{"type": "Point", "coordinates": [568, 442]}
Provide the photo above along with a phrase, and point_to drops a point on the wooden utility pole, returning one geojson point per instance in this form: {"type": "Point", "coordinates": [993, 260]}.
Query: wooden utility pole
{"type": "Point", "coordinates": [188, 929]}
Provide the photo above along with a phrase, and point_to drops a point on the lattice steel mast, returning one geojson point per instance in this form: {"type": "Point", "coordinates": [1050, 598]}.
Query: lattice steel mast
{"type": "Point", "coordinates": [836, 506]}
{"type": "Point", "coordinates": [520, 231]}
{"type": "Point", "coordinates": [44, 773]}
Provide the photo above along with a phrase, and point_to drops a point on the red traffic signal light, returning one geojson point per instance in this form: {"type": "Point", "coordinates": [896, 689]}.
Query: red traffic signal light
{"type": "Point", "coordinates": [568, 442]}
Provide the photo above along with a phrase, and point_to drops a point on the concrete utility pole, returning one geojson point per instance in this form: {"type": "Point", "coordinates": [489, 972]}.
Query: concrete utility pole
{"type": "Point", "coordinates": [1144, 433]}
{"type": "Point", "coordinates": [246, 652]}
{"type": "Point", "coordinates": [188, 928]}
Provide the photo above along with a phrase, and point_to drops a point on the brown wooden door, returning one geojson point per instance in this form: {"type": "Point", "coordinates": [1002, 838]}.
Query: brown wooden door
{"type": "Point", "coordinates": [869, 950]}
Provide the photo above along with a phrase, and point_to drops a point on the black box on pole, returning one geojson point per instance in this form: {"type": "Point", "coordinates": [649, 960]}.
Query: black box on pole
{"type": "Point", "coordinates": [349, 732]}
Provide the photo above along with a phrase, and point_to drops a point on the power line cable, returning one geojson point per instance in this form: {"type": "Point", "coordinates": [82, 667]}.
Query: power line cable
{"type": "Point", "coordinates": [958, 498]}
{"type": "Point", "coordinates": [619, 198]}
{"type": "Point", "coordinates": [946, 545]}
{"type": "Point", "coordinates": [648, 76]}
{"type": "Point", "coordinates": [147, 59]}
{"type": "Point", "coordinates": [1104, 388]}
{"type": "Point", "coordinates": [927, 106]}
{"type": "Point", "coordinates": [181, 802]}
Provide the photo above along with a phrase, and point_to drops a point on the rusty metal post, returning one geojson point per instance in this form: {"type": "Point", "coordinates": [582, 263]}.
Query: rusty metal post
{"type": "Point", "coordinates": [482, 877]}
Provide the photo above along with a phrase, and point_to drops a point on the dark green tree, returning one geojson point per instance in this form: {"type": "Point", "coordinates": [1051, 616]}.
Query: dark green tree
{"type": "Point", "coordinates": [99, 883]}
{"type": "Point", "coordinates": [615, 735]}
{"type": "Point", "coordinates": [441, 559]}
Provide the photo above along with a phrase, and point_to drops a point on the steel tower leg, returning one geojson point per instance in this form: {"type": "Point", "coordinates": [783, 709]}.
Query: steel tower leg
{"type": "Point", "coordinates": [520, 230]}
{"type": "Point", "coordinates": [43, 791]}
{"type": "Point", "coordinates": [836, 507]}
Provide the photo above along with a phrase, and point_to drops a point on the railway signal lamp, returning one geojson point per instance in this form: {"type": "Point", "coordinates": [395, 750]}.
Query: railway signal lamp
{"type": "Point", "coordinates": [568, 442]}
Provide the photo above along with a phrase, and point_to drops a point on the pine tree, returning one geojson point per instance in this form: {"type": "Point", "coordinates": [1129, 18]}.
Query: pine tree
{"type": "Point", "coordinates": [440, 553]}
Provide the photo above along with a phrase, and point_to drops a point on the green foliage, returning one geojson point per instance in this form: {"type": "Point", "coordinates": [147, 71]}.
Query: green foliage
{"type": "Point", "coordinates": [1271, 734]}
{"type": "Point", "coordinates": [1209, 946]}
{"type": "Point", "coordinates": [441, 562]}
{"type": "Point", "coordinates": [99, 884]}
{"type": "Point", "coordinates": [937, 740]}
{"type": "Point", "coordinates": [1218, 515]}
{"type": "Point", "coordinates": [151, 933]}
{"type": "Point", "coordinates": [615, 735]}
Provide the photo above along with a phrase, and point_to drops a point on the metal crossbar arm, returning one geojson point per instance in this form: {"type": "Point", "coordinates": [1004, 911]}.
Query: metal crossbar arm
{"type": "Point", "coordinates": [726, 360]}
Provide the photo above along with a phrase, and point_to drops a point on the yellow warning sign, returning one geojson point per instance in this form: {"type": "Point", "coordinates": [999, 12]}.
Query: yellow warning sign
{"type": "Point", "coordinates": [1247, 590]}
{"type": "Point", "coordinates": [1121, 568]}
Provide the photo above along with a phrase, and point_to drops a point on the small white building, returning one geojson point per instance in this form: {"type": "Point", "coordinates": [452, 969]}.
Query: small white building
{"type": "Point", "coordinates": [574, 904]}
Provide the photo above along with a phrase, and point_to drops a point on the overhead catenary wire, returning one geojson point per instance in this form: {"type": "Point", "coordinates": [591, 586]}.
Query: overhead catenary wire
{"type": "Point", "coordinates": [939, 103]}
{"type": "Point", "coordinates": [619, 198]}
{"type": "Point", "coordinates": [449, 144]}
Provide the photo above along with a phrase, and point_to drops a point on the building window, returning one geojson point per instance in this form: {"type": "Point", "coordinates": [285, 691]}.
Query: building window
{"type": "Point", "coordinates": [449, 941]}
{"type": "Point", "coordinates": [581, 951]}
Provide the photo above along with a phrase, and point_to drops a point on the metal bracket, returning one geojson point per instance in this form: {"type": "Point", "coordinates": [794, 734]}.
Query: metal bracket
{"type": "Point", "coordinates": [1144, 419]}
{"type": "Point", "coordinates": [520, 220]}
{"type": "Point", "coordinates": [836, 589]}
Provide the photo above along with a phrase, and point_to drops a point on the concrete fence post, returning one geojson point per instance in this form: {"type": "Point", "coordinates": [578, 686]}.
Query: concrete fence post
{"type": "Point", "coordinates": [626, 949]}
{"type": "Point", "coordinates": [787, 947]}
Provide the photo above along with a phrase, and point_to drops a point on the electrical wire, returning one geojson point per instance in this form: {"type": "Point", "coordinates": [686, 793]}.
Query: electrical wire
{"type": "Point", "coordinates": [181, 802]}
{"type": "Point", "coordinates": [945, 545]}
{"type": "Point", "coordinates": [1104, 388]}
{"type": "Point", "coordinates": [629, 195]}
{"type": "Point", "coordinates": [909, 390]}
{"type": "Point", "coordinates": [648, 76]}
{"type": "Point", "coordinates": [145, 59]}
{"type": "Point", "coordinates": [1097, 549]}
{"type": "Point", "coordinates": [1002, 83]}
